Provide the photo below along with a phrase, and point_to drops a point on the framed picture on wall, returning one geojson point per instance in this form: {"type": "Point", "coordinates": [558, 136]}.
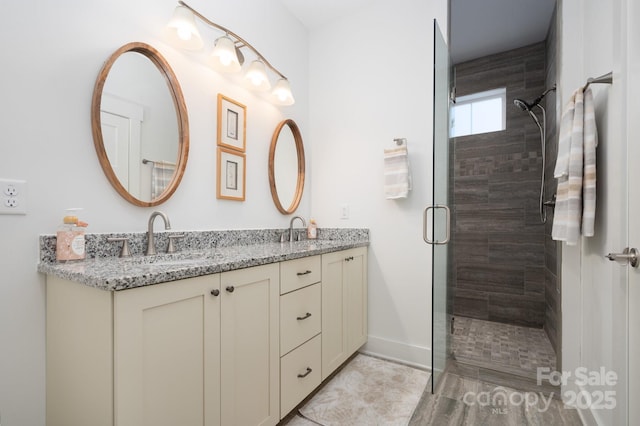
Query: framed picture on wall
{"type": "Point", "coordinates": [231, 175]}
{"type": "Point", "coordinates": [232, 123]}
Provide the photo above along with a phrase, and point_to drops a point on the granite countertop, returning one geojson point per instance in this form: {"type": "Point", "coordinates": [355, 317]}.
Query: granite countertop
{"type": "Point", "coordinates": [114, 274]}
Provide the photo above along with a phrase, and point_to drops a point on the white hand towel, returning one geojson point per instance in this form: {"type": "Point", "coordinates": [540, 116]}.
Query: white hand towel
{"type": "Point", "coordinates": [397, 174]}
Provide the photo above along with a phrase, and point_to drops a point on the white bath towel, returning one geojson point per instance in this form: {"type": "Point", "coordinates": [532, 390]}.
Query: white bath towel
{"type": "Point", "coordinates": [575, 170]}
{"type": "Point", "coordinates": [589, 175]}
{"type": "Point", "coordinates": [397, 173]}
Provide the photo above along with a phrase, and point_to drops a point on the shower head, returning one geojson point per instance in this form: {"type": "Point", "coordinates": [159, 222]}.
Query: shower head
{"type": "Point", "coordinates": [526, 106]}
{"type": "Point", "coordinates": [523, 105]}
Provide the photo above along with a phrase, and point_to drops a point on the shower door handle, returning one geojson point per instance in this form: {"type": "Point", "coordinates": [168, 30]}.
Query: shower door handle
{"type": "Point", "coordinates": [425, 227]}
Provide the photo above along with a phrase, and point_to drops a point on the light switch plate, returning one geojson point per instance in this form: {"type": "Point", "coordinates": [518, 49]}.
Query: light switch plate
{"type": "Point", "coordinates": [13, 196]}
{"type": "Point", "coordinates": [344, 211]}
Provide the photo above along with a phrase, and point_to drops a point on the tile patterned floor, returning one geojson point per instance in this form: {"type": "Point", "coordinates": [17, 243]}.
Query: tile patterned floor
{"type": "Point", "coordinates": [495, 360]}
{"type": "Point", "coordinates": [465, 400]}
{"type": "Point", "coordinates": [503, 347]}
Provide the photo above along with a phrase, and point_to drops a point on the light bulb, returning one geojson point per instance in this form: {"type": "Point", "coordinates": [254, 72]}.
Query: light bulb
{"type": "Point", "coordinates": [182, 29]}
{"type": "Point", "coordinates": [224, 55]}
{"type": "Point", "coordinates": [183, 33]}
{"type": "Point", "coordinates": [282, 93]}
{"type": "Point", "coordinates": [256, 76]}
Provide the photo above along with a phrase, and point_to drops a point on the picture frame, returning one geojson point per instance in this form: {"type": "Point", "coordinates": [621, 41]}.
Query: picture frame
{"type": "Point", "coordinates": [232, 124]}
{"type": "Point", "coordinates": [231, 175]}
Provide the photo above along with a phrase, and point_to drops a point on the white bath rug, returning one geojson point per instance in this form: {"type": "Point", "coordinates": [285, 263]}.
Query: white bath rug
{"type": "Point", "coordinates": [368, 391]}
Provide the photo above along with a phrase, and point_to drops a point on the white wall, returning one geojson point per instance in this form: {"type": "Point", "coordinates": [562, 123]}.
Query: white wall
{"type": "Point", "coordinates": [594, 293]}
{"type": "Point", "coordinates": [372, 81]}
{"type": "Point", "coordinates": [52, 52]}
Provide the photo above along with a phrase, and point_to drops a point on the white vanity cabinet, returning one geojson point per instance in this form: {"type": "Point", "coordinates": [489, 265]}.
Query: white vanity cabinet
{"type": "Point", "coordinates": [300, 330]}
{"type": "Point", "coordinates": [144, 356]}
{"type": "Point", "coordinates": [242, 347]}
{"type": "Point", "coordinates": [344, 306]}
{"type": "Point", "coordinates": [187, 352]}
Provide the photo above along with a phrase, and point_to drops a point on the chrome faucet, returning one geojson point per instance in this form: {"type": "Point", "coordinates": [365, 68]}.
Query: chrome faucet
{"type": "Point", "coordinates": [151, 245]}
{"type": "Point", "coordinates": [291, 226]}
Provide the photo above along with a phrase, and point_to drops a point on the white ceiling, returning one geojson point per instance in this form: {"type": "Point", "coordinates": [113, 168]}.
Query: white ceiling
{"type": "Point", "coordinates": [484, 27]}
{"type": "Point", "coordinates": [315, 13]}
{"type": "Point", "coordinates": [478, 27]}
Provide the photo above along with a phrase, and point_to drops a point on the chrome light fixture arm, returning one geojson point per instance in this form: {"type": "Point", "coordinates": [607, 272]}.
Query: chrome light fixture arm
{"type": "Point", "coordinates": [243, 42]}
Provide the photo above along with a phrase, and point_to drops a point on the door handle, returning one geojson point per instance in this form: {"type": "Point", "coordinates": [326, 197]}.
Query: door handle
{"type": "Point", "coordinates": [425, 226]}
{"type": "Point", "coordinates": [629, 255]}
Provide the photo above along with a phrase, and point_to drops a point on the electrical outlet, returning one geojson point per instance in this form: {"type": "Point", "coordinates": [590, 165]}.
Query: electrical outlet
{"type": "Point", "coordinates": [10, 189]}
{"type": "Point", "coordinates": [13, 196]}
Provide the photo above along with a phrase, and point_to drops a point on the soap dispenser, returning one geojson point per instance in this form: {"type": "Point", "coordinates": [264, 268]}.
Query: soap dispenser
{"type": "Point", "coordinates": [70, 242]}
{"type": "Point", "coordinates": [312, 230]}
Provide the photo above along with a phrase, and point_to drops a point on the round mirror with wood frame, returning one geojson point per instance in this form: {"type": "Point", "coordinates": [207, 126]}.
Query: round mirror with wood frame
{"type": "Point", "coordinates": [155, 189]}
{"type": "Point", "coordinates": [284, 169]}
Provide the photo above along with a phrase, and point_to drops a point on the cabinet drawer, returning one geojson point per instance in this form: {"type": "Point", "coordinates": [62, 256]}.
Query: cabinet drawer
{"type": "Point", "coordinates": [299, 317]}
{"type": "Point", "coordinates": [304, 361]}
{"type": "Point", "coordinates": [298, 273]}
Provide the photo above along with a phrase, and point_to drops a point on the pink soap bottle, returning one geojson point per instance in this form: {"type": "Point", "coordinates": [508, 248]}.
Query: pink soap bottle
{"type": "Point", "coordinates": [312, 230]}
{"type": "Point", "coordinates": [70, 242]}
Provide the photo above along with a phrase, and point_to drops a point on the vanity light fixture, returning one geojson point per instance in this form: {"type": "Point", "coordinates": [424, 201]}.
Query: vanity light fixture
{"type": "Point", "coordinates": [226, 55]}
{"type": "Point", "coordinates": [182, 29]}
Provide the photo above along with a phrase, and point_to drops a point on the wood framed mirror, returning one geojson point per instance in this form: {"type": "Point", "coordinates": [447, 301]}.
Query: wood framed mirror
{"type": "Point", "coordinates": [286, 167]}
{"type": "Point", "coordinates": [140, 125]}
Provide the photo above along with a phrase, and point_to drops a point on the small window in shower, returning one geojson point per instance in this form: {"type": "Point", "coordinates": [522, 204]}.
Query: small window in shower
{"type": "Point", "coordinates": [479, 113]}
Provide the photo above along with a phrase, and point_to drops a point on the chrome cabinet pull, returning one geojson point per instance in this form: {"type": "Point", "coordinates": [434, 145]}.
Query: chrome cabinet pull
{"type": "Point", "coordinates": [629, 255]}
{"type": "Point", "coordinates": [301, 376]}
{"type": "Point", "coordinates": [215, 292]}
{"type": "Point", "coordinates": [230, 289]}
{"type": "Point", "coordinates": [307, 272]}
{"type": "Point", "coordinates": [425, 226]}
{"type": "Point", "coordinates": [304, 317]}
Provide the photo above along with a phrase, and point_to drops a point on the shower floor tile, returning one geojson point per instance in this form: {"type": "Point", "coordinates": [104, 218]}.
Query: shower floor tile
{"type": "Point", "coordinates": [509, 348]}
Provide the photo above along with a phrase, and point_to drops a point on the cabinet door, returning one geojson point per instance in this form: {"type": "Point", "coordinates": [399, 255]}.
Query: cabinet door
{"type": "Point", "coordinates": [250, 346]}
{"type": "Point", "coordinates": [344, 306]}
{"type": "Point", "coordinates": [167, 362]}
{"type": "Point", "coordinates": [356, 296]}
{"type": "Point", "coordinates": [334, 313]}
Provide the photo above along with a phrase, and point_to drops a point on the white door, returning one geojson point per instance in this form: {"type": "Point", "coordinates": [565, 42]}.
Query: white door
{"type": "Point", "coordinates": [601, 299]}
{"type": "Point", "coordinates": [121, 123]}
{"type": "Point", "coordinates": [633, 144]}
{"type": "Point", "coordinates": [115, 135]}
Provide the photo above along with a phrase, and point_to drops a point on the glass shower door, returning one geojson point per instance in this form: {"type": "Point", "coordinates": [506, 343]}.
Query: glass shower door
{"type": "Point", "coordinates": [439, 213]}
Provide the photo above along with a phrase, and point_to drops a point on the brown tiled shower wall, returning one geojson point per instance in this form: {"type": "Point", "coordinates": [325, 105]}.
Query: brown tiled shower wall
{"type": "Point", "coordinates": [499, 270]}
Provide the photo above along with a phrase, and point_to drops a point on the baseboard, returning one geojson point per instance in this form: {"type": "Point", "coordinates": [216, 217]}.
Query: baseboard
{"type": "Point", "coordinates": [415, 356]}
